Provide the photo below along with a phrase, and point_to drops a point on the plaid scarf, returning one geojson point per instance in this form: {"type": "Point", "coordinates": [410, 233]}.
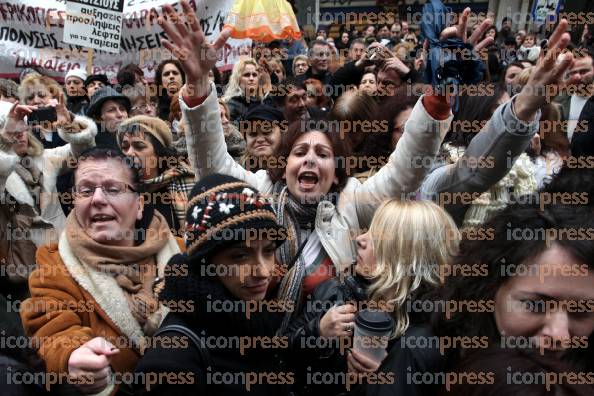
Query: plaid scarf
{"type": "Point", "coordinates": [295, 217]}
{"type": "Point", "coordinates": [179, 181]}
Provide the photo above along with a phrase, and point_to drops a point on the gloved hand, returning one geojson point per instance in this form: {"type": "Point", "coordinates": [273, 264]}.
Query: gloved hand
{"type": "Point", "coordinates": [452, 59]}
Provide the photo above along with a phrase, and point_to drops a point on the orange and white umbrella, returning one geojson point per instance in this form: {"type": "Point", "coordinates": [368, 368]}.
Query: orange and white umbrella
{"type": "Point", "coordinates": [262, 20]}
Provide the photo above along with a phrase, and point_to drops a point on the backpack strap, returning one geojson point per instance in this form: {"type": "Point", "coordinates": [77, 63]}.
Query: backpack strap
{"type": "Point", "coordinates": [198, 342]}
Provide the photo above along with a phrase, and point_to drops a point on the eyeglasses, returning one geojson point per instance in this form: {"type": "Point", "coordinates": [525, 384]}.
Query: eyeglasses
{"type": "Point", "coordinates": [112, 190]}
{"type": "Point", "coordinates": [144, 107]}
{"type": "Point", "coordinates": [410, 40]}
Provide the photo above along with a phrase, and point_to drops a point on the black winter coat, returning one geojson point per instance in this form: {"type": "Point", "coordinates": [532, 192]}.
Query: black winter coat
{"type": "Point", "coordinates": [225, 367]}
{"type": "Point", "coordinates": [582, 143]}
{"type": "Point", "coordinates": [409, 357]}
{"type": "Point", "coordinates": [240, 105]}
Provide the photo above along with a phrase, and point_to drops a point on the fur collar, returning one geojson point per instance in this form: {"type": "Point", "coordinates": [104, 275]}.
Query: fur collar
{"type": "Point", "coordinates": [16, 187]}
{"type": "Point", "coordinates": [106, 292]}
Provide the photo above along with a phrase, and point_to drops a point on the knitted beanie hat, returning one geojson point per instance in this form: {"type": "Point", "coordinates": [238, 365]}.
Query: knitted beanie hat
{"type": "Point", "coordinates": [146, 124]}
{"type": "Point", "coordinates": [223, 210]}
{"type": "Point", "coordinates": [78, 73]}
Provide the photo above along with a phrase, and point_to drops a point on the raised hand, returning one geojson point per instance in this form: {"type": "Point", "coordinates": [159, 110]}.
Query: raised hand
{"type": "Point", "coordinates": [62, 112]}
{"type": "Point", "coordinates": [187, 43]}
{"type": "Point", "coordinates": [374, 48]}
{"type": "Point", "coordinates": [19, 111]}
{"type": "Point", "coordinates": [397, 65]}
{"type": "Point", "coordinates": [15, 121]}
{"type": "Point", "coordinates": [548, 76]}
{"type": "Point", "coordinates": [460, 31]}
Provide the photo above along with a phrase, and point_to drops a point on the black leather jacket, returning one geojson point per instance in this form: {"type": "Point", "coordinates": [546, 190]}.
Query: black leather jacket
{"type": "Point", "coordinates": [317, 359]}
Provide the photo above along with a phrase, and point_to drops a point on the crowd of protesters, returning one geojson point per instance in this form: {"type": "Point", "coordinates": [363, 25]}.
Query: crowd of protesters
{"type": "Point", "coordinates": [220, 233]}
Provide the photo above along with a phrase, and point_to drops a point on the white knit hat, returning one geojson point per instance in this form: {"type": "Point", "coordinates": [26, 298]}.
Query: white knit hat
{"type": "Point", "coordinates": [80, 73]}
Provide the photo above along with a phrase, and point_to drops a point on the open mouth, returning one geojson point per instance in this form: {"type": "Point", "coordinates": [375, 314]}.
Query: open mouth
{"type": "Point", "coordinates": [307, 180]}
{"type": "Point", "coordinates": [102, 218]}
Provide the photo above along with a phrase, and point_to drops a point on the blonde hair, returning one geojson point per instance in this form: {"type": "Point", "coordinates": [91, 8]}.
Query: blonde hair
{"type": "Point", "coordinates": [224, 104]}
{"type": "Point", "coordinates": [411, 240]}
{"type": "Point", "coordinates": [276, 62]}
{"type": "Point", "coordinates": [522, 78]}
{"type": "Point", "coordinates": [34, 146]}
{"type": "Point", "coordinates": [31, 80]}
{"type": "Point", "coordinates": [234, 88]}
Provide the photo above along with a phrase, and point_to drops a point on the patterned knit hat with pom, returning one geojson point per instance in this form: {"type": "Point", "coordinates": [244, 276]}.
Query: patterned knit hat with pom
{"type": "Point", "coordinates": [223, 210]}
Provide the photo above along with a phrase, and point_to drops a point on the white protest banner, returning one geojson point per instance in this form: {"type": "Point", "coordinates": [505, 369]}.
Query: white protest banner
{"type": "Point", "coordinates": [94, 24]}
{"type": "Point", "coordinates": [31, 34]}
{"type": "Point", "coordinates": [543, 10]}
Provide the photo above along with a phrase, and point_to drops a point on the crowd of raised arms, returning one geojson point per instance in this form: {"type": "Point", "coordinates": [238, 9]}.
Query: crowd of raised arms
{"type": "Point", "coordinates": [316, 221]}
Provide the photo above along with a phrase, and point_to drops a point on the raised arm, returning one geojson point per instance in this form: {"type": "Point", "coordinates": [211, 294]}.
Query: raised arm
{"type": "Point", "coordinates": [414, 154]}
{"type": "Point", "coordinates": [78, 131]}
{"type": "Point", "coordinates": [13, 126]}
{"type": "Point", "coordinates": [507, 134]}
{"type": "Point", "coordinates": [205, 139]}
{"type": "Point", "coordinates": [409, 163]}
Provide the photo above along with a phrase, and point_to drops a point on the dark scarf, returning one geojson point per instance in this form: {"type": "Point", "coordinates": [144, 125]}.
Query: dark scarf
{"type": "Point", "coordinates": [33, 178]}
{"type": "Point", "coordinates": [203, 291]}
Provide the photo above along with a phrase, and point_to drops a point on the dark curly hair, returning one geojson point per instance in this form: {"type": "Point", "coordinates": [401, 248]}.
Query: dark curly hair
{"type": "Point", "coordinates": [503, 249]}
{"type": "Point", "coordinates": [159, 72]}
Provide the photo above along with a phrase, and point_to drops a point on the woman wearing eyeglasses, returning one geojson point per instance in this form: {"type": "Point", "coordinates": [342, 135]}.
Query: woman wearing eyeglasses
{"type": "Point", "coordinates": [93, 295]}
{"type": "Point", "coordinates": [143, 104]}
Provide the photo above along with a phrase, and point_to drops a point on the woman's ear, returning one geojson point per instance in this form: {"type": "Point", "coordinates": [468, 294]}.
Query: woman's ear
{"type": "Point", "coordinates": [335, 180]}
{"type": "Point", "coordinates": [140, 210]}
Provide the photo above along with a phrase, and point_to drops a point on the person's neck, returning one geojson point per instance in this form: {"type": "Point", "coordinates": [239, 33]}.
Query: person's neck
{"type": "Point", "coordinates": [317, 72]}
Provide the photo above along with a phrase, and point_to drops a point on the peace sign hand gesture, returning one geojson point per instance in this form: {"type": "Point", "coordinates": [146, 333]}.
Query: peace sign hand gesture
{"type": "Point", "coordinates": [187, 43]}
